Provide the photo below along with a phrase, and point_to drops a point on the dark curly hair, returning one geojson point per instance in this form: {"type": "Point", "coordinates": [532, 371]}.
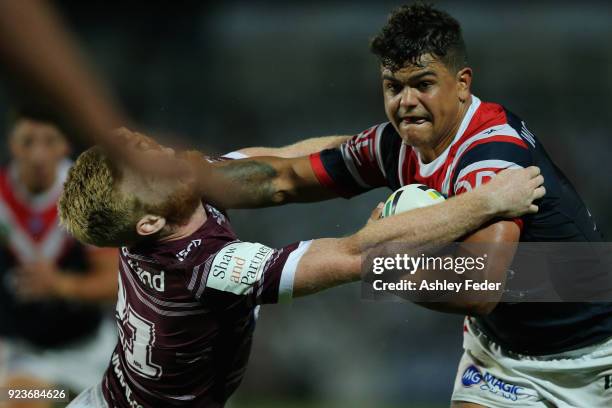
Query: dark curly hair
{"type": "Point", "coordinates": [416, 30]}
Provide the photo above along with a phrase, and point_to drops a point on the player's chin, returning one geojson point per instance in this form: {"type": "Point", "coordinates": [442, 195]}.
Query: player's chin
{"type": "Point", "coordinates": [416, 136]}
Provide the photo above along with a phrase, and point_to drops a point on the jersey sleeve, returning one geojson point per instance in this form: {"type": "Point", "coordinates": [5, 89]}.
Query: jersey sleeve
{"type": "Point", "coordinates": [486, 155]}
{"type": "Point", "coordinates": [247, 272]}
{"type": "Point", "coordinates": [359, 164]}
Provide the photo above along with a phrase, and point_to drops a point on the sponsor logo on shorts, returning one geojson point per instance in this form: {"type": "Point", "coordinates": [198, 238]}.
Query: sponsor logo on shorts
{"type": "Point", "coordinates": [471, 376]}
{"type": "Point", "coordinates": [488, 382]}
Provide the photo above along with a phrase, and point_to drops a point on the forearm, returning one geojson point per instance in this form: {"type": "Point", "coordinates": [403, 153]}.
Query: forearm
{"type": "Point", "coordinates": [252, 183]}
{"type": "Point", "coordinates": [260, 182]}
{"type": "Point", "coordinates": [301, 148]}
{"type": "Point", "coordinates": [40, 54]}
{"type": "Point", "coordinates": [429, 226]}
{"type": "Point", "coordinates": [497, 242]}
{"type": "Point", "coordinates": [329, 262]}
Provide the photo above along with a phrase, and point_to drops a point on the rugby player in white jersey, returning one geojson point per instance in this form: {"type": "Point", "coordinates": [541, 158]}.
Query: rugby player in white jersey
{"type": "Point", "coordinates": [188, 287]}
{"type": "Point", "coordinates": [53, 331]}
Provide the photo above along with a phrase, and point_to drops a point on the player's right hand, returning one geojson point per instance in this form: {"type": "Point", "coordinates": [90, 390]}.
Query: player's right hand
{"type": "Point", "coordinates": [512, 192]}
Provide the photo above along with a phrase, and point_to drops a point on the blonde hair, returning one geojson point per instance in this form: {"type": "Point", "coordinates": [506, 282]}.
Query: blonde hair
{"type": "Point", "coordinates": [92, 209]}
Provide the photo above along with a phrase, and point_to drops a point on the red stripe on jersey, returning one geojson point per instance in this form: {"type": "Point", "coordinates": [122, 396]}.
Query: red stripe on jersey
{"type": "Point", "coordinates": [499, 138]}
{"type": "Point", "coordinates": [488, 114]}
{"type": "Point", "coordinates": [324, 178]}
{"type": "Point", "coordinates": [519, 222]}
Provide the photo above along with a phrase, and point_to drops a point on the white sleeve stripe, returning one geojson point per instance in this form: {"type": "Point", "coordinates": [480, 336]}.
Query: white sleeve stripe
{"type": "Point", "coordinates": [194, 276]}
{"type": "Point", "coordinates": [400, 167]}
{"type": "Point", "coordinates": [235, 155]}
{"type": "Point", "coordinates": [285, 288]}
{"type": "Point", "coordinates": [487, 164]}
{"type": "Point", "coordinates": [379, 132]}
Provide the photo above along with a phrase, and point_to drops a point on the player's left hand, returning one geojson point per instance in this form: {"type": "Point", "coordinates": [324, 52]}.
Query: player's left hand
{"type": "Point", "coordinates": [37, 280]}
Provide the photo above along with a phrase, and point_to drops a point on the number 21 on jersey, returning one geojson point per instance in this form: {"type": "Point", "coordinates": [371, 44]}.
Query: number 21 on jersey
{"type": "Point", "coordinates": [137, 336]}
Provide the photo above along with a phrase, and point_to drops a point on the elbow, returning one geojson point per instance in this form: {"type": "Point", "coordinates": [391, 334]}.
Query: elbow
{"type": "Point", "coordinates": [280, 197]}
{"type": "Point", "coordinates": [284, 189]}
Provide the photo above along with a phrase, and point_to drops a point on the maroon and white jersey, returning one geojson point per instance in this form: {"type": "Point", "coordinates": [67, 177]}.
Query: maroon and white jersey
{"type": "Point", "coordinates": [186, 314]}
{"type": "Point", "coordinates": [486, 143]}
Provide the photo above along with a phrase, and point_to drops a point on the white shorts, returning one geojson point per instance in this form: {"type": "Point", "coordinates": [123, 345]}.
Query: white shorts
{"type": "Point", "coordinates": [77, 367]}
{"type": "Point", "coordinates": [90, 398]}
{"type": "Point", "coordinates": [493, 377]}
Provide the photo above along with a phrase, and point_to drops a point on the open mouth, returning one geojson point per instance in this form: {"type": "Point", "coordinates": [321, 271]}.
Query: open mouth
{"type": "Point", "coordinates": [414, 120]}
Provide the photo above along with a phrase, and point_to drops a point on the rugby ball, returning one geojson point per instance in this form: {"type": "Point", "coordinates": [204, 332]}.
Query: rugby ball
{"type": "Point", "coordinates": [410, 197]}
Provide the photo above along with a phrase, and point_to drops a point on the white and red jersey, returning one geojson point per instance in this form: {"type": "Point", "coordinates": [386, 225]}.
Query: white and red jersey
{"type": "Point", "coordinates": [30, 231]}
{"type": "Point", "coordinates": [186, 315]}
{"type": "Point", "coordinates": [489, 139]}
{"type": "Point", "coordinates": [485, 144]}
{"type": "Point", "coordinates": [30, 224]}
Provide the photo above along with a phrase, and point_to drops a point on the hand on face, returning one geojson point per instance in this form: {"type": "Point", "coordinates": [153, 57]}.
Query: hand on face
{"type": "Point", "coordinates": [148, 157]}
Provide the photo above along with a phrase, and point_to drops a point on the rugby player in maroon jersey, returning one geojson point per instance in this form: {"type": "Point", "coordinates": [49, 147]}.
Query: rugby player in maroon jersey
{"type": "Point", "coordinates": [188, 287]}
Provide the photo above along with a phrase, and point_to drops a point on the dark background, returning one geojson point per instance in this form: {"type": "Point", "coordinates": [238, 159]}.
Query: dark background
{"type": "Point", "coordinates": [231, 74]}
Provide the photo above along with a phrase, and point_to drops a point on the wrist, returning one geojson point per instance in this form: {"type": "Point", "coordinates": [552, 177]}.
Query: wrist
{"type": "Point", "coordinates": [487, 204]}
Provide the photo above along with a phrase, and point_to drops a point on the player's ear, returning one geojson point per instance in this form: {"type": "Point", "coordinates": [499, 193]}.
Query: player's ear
{"type": "Point", "coordinates": [150, 224]}
{"type": "Point", "coordinates": [464, 82]}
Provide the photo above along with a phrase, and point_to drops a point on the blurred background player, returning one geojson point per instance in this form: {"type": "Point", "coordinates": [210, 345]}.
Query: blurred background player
{"type": "Point", "coordinates": [54, 328]}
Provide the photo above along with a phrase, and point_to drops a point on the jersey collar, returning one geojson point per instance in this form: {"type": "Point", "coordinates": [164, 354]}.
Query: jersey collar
{"type": "Point", "coordinates": [427, 169]}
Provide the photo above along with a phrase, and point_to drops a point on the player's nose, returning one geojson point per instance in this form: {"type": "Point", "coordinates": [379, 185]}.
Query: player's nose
{"type": "Point", "coordinates": [408, 98]}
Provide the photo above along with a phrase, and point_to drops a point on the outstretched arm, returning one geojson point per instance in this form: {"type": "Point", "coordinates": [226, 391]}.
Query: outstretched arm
{"type": "Point", "coordinates": [260, 182]}
{"type": "Point", "coordinates": [331, 262]}
{"type": "Point", "coordinates": [272, 176]}
{"type": "Point", "coordinates": [298, 149]}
